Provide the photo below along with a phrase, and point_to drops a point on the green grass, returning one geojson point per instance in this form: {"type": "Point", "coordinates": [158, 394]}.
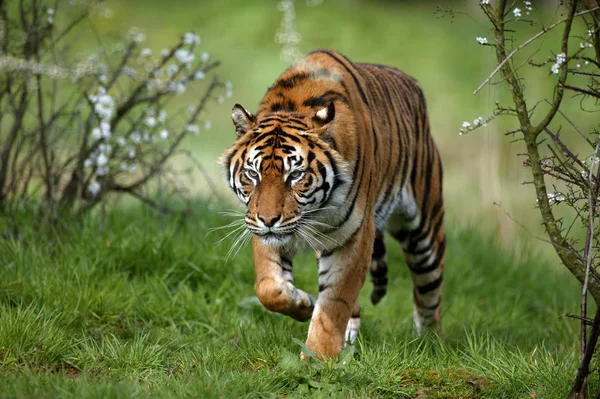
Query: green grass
{"type": "Point", "coordinates": [133, 303]}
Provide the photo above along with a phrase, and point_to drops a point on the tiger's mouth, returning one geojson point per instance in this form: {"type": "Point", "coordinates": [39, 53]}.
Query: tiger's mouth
{"type": "Point", "coordinates": [275, 239]}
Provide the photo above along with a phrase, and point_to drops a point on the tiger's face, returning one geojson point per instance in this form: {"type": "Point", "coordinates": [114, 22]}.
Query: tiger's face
{"type": "Point", "coordinates": [286, 176]}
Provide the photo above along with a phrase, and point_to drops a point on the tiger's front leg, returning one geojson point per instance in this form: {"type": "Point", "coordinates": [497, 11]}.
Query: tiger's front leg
{"type": "Point", "coordinates": [342, 274]}
{"type": "Point", "coordinates": [274, 283]}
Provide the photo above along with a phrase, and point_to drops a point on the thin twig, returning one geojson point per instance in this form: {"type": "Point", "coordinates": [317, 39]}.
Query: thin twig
{"type": "Point", "coordinates": [586, 320]}
{"type": "Point", "coordinates": [583, 91]}
{"type": "Point", "coordinates": [527, 42]}
{"type": "Point", "coordinates": [571, 123]}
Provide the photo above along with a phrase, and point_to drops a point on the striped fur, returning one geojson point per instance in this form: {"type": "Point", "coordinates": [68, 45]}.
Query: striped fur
{"type": "Point", "coordinates": [337, 153]}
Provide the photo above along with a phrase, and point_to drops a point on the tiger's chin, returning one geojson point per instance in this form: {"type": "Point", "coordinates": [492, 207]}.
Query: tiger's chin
{"type": "Point", "coordinates": [275, 240]}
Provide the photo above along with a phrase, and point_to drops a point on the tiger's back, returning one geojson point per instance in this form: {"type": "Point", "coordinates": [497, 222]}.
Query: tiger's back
{"type": "Point", "coordinates": [363, 130]}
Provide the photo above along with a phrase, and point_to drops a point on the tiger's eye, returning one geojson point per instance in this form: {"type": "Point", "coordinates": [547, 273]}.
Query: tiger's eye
{"type": "Point", "coordinates": [252, 173]}
{"type": "Point", "coordinates": [295, 174]}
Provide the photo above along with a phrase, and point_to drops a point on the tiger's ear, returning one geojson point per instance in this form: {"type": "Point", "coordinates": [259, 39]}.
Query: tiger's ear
{"type": "Point", "coordinates": [325, 115]}
{"type": "Point", "coordinates": [323, 118]}
{"type": "Point", "coordinates": [242, 119]}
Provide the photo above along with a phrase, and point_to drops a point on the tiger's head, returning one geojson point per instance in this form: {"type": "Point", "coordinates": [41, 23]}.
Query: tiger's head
{"type": "Point", "coordinates": [286, 171]}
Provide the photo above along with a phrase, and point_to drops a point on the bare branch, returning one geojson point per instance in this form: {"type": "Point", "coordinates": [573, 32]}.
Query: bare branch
{"type": "Point", "coordinates": [527, 42]}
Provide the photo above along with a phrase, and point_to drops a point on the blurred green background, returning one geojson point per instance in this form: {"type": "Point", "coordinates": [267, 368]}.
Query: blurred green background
{"type": "Point", "coordinates": [438, 48]}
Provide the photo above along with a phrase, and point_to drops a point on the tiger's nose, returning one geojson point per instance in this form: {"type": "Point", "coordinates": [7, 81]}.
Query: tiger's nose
{"type": "Point", "coordinates": [269, 220]}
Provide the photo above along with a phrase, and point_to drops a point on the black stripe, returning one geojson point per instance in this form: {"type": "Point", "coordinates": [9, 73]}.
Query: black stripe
{"type": "Point", "coordinates": [434, 233]}
{"type": "Point", "coordinates": [290, 82]}
{"type": "Point", "coordinates": [433, 285]}
{"type": "Point", "coordinates": [324, 99]}
{"type": "Point", "coordinates": [419, 234]}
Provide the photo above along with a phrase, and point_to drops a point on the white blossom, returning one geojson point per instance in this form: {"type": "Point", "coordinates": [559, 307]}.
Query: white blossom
{"type": "Point", "coordinates": [172, 69]}
{"type": "Point", "coordinates": [146, 52]}
{"type": "Point", "coordinates": [51, 11]}
{"type": "Point", "coordinates": [220, 100]}
{"type": "Point", "coordinates": [194, 129]}
{"type": "Point", "coordinates": [129, 71]}
{"type": "Point", "coordinates": [51, 20]}
{"type": "Point", "coordinates": [560, 59]}
{"type": "Point", "coordinates": [191, 38]}
{"type": "Point", "coordinates": [162, 116]}
{"type": "Point", "coordinates": [207, 125]}
{"type": "Point", "coordinates": [123, 166]}
{"type": "Point", "coordinates": [466, 124]}
{"type": "Point", "coordinates": [96, 133]}
{"type": "Point", "coordinates": [517, 12]}
{"type": "Point", "coordinates": [205, 56]}
{"type": "Point", "coordinates": [121, 141]}
{"type": "Point", "coordinates": [150, 121]}
{"type": "Point", "coordinates": [478, 121]}
{"type": "Point", "coordinates": [164, 134]}
{"type": "Point", "coordinates": [88, 162]}
{"type": "Point", "coordinates": [105, 129]}
{"type": "Point", "coordinates": [199, 75]}
{"type": "Point", "coordinates": [104, 104]}
{"type": "Point", "coordinates": [136, 34]}
{"type": "Point", "coordinates": [102, 160]}
{"type": "Point", "coordinates": [592, 160]}
{"type": "Point", "coordinates": [164, 52]}
{"type": "Point", "coordinates": [178, 87]}
{"type": "Point", "coordinates": [481, 40]}
{"type": "Point", "coordinates": [102, 170]}
{"type": "Point", "coordinates": [485, 1]}
{"type": "Point", "coordinates": [136, 137]}
{"type": "Point", "coordinates": [105, 148]}
{"type": "Point", "coordinates": [556, 197]}
{"type": "Point", "coordinates": [131, 153]}
{"type": "Point", "coordinates": [184, 56]}
{"type": "Point", "coordinates": [94, 188]}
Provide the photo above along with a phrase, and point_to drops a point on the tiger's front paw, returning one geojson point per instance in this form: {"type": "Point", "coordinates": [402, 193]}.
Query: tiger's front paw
{"type": "Point", "coordinates": [303, 308]}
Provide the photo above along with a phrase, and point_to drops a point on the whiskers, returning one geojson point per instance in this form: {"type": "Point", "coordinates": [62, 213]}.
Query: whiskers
{"type": "Point", "coordinates": [241, 235]}
{"type": "Point", "coordinates": [240, 241]}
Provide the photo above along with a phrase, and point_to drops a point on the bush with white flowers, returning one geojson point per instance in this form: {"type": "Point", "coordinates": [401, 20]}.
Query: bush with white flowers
{"type": "Point", "coordinates": [77, 134]}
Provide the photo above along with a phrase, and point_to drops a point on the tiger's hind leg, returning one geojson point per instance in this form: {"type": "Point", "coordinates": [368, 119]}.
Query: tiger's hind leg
{"type": "Point", "coordinates": [423, 240]}
{"type": "Point", "coordinates": [378, 269]}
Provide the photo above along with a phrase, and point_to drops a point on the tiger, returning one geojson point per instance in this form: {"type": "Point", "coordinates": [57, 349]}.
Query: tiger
{"type": "Point", "coordinates": [337, 154]}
